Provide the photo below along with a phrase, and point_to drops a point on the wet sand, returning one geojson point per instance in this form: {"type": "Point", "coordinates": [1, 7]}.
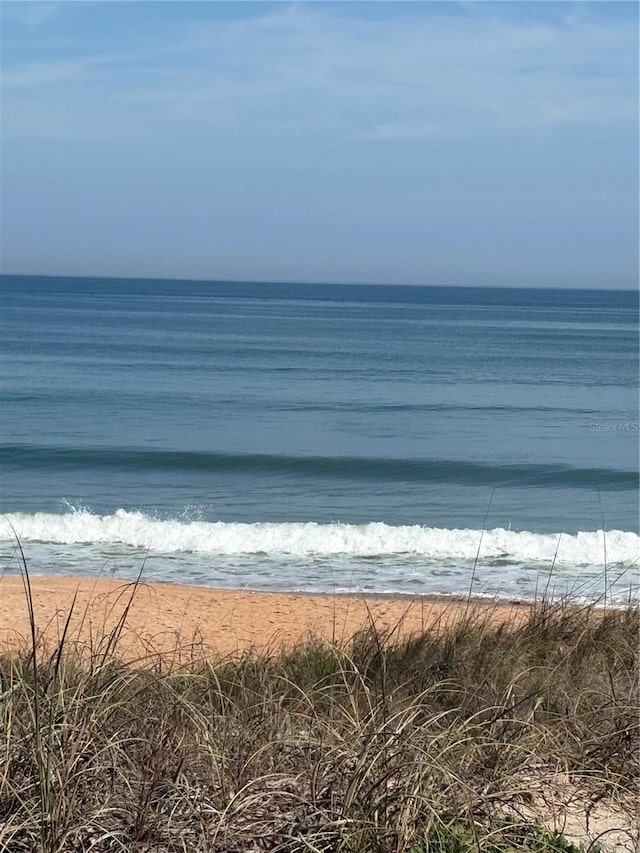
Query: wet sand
{"type": "Point", "coordinates": [164, 617]}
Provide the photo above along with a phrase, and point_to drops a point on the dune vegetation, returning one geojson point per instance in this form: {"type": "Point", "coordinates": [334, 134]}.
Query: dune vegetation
{"type": "Point", "coordinates": [478, 737]}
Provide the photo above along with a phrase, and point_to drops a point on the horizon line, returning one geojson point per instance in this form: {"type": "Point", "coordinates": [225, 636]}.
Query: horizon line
{"type": "Point", "coordinates": [632, 289]}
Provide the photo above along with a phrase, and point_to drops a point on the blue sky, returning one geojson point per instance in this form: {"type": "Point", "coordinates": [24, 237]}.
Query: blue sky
{"type": "Point", "coordinates": [473, 143]}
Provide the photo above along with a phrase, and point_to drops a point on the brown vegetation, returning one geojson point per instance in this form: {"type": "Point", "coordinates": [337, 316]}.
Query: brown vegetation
{"type": "Point", "coordinates": [473, 736]}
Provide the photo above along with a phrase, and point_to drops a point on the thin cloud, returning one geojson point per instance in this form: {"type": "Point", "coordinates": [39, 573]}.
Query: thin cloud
{"type": "Point", "coordinates": [303, 70]}
{"type": "Point", "coordinates": [44, 75]}
{"type": "Point", "coordinates": [29, 13]}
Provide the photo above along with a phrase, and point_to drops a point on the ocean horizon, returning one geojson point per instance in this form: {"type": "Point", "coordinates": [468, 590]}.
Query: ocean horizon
{"type": "Point", "coordinates": [378, 438]}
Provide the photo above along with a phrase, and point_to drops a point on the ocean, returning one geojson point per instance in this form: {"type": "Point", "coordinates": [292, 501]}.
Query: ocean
{"type": "Point", "coordinates": [322, 437]}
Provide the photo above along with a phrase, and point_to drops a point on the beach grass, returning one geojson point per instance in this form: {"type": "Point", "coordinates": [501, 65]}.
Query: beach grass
{"type": "Point", "coordinates": [471, 737]}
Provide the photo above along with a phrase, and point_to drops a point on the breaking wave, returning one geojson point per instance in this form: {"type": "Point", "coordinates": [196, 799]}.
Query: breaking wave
{"type": "Point", "coordinates": [310, 539]}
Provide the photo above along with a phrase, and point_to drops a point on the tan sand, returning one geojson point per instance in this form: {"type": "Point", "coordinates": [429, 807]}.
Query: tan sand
{"type": "Point", "coordinates": [220, 621]}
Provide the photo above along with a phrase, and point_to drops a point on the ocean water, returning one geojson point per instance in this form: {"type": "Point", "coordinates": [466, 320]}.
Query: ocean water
{"type": "Point", "coordinates": [322, 437]}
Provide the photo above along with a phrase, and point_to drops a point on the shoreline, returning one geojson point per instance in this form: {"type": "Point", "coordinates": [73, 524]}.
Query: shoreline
{"type": "Point", "coordinates": [180, 618]}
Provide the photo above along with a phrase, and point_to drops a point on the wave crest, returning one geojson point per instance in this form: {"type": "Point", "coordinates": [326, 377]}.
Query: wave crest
{"type": "Point", "coordinates": [310, 539]}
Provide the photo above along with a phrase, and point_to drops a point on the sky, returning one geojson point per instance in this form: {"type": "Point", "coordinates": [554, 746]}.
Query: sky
{"type": "Point", "coordinates": [474, 143]}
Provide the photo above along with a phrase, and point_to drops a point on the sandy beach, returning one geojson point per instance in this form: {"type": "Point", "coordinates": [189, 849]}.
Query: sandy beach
{"type": "Point", "coordinates": [164, 616]}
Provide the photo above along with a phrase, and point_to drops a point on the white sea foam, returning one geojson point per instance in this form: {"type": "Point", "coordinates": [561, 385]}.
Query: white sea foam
{"type": "Point", "coordinates": [309, 540]}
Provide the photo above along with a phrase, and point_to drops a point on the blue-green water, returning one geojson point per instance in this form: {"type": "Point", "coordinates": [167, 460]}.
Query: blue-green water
{"type": "Point", "coordinates": [319, 436]}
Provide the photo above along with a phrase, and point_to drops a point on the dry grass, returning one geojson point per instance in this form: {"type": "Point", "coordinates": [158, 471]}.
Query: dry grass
{"type": "Point", "coordinates": [462, 739]}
